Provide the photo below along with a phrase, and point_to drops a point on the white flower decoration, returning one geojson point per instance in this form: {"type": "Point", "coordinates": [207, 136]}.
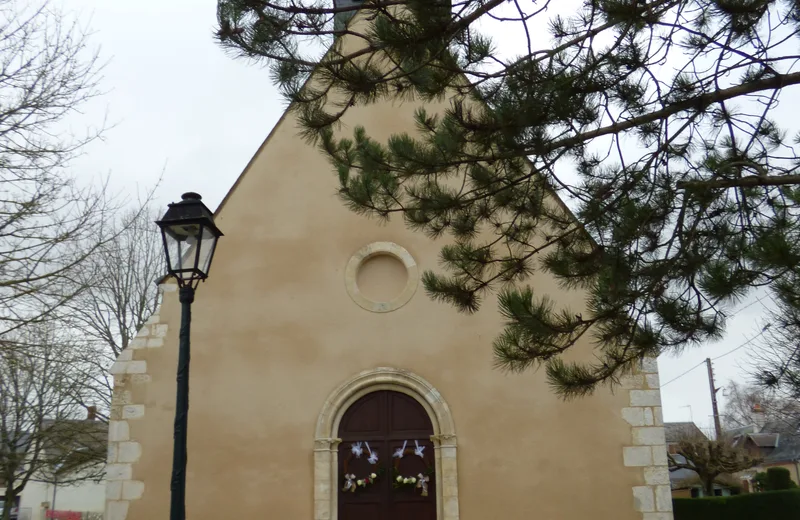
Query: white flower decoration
{"type": "Point", "coordinates": [356, 449]}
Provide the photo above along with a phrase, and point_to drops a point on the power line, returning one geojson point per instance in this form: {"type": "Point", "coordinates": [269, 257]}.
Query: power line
{"type": "Point", "coordinates": [761, 333]}
{"type": "Point", "coordinates": [740, 309]}
{"type": "Point", "coordinates": [763, 330]}
{"type": "Point", "coordinates": [680, 376]}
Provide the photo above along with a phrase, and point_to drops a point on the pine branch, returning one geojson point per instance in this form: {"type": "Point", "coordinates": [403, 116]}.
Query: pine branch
{"type": "Point", "coordinates": [698, 103]}
{"type": "Point", "coordinates": [640, 153]}
{"type": "Point", "coordinates": [742, 182]}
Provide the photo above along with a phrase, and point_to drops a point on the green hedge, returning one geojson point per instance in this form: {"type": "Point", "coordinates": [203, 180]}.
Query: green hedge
{"type": "Point", "coordinates": [770, 505]}
{"type": "Point", "coordinates": [778, 479]}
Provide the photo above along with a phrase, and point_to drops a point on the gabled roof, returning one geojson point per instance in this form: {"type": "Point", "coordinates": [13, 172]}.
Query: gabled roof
{"type": "Point", "coordinates": [679, 475]}
{"type": "Point", "coordinates": [70, 434]}
{"type": "Point", "coordinates": [741, 430]}
{"type": "Point", "coordinates": [765, 440]}
{"type": "Point", "coordinates": [787, 451]}
{"type": "Point", "coordinates": [782, 436]}
{"type": "Point", "coordinates": [788, 425]}
{"type": "Point", "coordinates": [675, 431]}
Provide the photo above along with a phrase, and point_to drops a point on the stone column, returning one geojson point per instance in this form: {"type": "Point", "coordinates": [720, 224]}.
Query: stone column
{"type": "Point", "coordinates": [648, 447]}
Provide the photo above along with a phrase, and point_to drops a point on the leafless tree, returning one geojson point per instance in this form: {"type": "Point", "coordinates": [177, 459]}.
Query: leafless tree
{"type": "Point", "coordinates": [43, 432]}
{"type": "Point", "coordinates": [710, 459]}
{"type": "Point", "coordinates": [120, 295]}
{"type": "Point", "coordinates": [121, 291]}
{"type": "Point", "coordinates": [745, 403]}
{"type": "Point", "coordinates": [49, 224]}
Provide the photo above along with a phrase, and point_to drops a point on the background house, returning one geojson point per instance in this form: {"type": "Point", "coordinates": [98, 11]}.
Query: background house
{"type": "Point", "coordinates": [786, 454]}
{"type": "Point", "coordinates": [74, 483]}
{"type": "Point", "coordinates": [776, 442]}
{"type": "Point", "coordinates": [21, 447]}
{"type": "Point", "coordinates": [84, 500]}
{"type": "Point", "coordinates": [685, 483]}
{"type": "Point", "coordinates": [757, 444]}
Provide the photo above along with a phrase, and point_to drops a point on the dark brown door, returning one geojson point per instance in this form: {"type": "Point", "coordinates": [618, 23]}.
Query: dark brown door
{"type": "Point", "coordinates": [386, 420]}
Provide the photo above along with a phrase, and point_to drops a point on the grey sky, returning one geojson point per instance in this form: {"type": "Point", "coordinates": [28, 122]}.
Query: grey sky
{"type": "Point", "coordinates": [178, 102]}
{"type": "Point", "coordinates": [181, 105]}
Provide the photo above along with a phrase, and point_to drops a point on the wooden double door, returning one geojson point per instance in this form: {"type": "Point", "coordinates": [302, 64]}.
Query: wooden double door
{"type": "Point", "coordinates": [386, 421]}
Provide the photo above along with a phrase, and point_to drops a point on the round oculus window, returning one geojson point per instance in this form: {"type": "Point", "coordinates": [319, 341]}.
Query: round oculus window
{"type": "Point", "coordinates": [381, 277]}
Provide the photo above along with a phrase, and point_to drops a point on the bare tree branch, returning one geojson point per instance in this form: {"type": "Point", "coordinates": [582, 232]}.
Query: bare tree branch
{"type": "Point", "coordinates": [709, 459]}
{"type": "Point", "coordinates": [42, 426]}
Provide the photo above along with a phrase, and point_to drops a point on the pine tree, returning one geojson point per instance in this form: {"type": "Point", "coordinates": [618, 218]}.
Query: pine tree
{"type": "Point", "coordinates": [655, 120]}
{"type": "Point", "coordinates": [776, 359]}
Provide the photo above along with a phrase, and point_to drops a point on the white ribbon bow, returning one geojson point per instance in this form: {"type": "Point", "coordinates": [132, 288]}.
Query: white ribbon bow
{"type": "Point", "coordinates": [399, 452]}
{"type": "Point", "coordinates": [373, 455]}
{"type": "Point", "coordinates": [357, 449]}
{"type": "Point", "coordinates": [349, 483]}
{"type": "Point", "coordinates": [422, 483]}
{"type": "Point", "coordinates": [418, 450]}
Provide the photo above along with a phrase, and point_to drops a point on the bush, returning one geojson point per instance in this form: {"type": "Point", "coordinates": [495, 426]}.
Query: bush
{"type": "Point", "coordinates": [778, 479]}
{"type": "Point", "coordinates": [760, 481]}
{"type": "Point", "coordinates": [774, 479]}
{"type": "Point", "coordinates": [770, 505]}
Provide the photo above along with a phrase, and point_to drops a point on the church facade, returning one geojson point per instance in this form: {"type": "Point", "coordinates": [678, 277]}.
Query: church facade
{"type": "Point", "coordinates": [325, 384]}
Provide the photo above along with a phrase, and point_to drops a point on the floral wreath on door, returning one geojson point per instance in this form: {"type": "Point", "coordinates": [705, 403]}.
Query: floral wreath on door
{"type": "Point", "coordinates": [421, 480]}
{"type": "Point", "coordinates": [351, 481]}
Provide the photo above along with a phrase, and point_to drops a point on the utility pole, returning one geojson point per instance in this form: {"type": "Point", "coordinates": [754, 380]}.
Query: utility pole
{"type": "Point", "coordinates": [714, 390]}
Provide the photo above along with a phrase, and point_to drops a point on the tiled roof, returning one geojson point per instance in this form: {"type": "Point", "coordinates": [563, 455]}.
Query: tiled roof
{"type": "Point", "coordinates": [742, 430]}
{"type": "Point", "coordinates": [765, 440]}
{"type": "Point", "coordinates": [788, 450]}
{"type": "Point", "coordinates": [678, 475]}
{"type": "Point", "coordinates": [674, 431]}
{"type": "Point", "coordinates": [787, 425]}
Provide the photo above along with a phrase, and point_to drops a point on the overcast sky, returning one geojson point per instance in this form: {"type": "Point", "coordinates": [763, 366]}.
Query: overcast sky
{"type": "Point", "coordinates": [185, 111]}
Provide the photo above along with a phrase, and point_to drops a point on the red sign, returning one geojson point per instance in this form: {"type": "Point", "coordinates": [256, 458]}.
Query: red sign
{"type": "Point", "coordinates": [63, 515]}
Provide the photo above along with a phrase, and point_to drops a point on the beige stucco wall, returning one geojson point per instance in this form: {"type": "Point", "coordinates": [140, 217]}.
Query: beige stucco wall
{"type": "Point", "coordinates": [274, 332]}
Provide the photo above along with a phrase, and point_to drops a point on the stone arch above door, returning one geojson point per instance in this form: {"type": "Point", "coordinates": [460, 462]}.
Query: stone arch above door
{"type": "Point", "coordinates": [326, 478]}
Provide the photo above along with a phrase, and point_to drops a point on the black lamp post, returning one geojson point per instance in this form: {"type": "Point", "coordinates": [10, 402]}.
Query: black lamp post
{"type": "Point", "coordinates": [190, 238]}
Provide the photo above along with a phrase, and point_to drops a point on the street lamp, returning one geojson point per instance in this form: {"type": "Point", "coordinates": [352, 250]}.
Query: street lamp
{"type": "Point", "coordinates": [56, 469]}
{"type": "Point", "coordinates": [190, 237]}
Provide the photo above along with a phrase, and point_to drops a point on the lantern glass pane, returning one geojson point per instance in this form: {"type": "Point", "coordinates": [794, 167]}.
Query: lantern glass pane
{"type": "Point", "coordinates": [207, 244]}
{"type": "Point", "coordinates": [181, 240]}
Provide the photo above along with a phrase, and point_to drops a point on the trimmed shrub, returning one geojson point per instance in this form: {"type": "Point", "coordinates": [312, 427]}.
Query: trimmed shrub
{"type": "Point", "coordinates": [778, 479]}
{"type": "Point", "coordinates": [770, 505]}
{"type": "Point", "coordinates": [760, 481]}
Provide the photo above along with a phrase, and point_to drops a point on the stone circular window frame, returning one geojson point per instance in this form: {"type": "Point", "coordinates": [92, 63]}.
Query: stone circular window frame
{"type": "Point", "coordinates": [370, 251]}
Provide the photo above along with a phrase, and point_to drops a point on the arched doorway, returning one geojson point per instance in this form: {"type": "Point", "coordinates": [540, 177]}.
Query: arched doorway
{"type": "Point", "coordinates": [327, 474]}
{"type": "Point", "coordinates": [372, 430]}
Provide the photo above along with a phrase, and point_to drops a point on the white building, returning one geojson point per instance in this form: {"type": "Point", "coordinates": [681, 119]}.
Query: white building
{"type": "Point", "coordinates": [70, 451]}
{"type": "Point", "coordinates": [83, 501]}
